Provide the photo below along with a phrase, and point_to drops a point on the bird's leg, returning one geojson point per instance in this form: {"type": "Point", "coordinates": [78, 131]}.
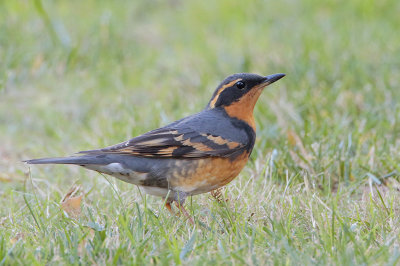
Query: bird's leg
{"type": "Point", "coordinates": [180, 198]}
{"type": "Point", "coordinates": [168, 206]}
{"type": "Point", "coordinates": [183, 210]}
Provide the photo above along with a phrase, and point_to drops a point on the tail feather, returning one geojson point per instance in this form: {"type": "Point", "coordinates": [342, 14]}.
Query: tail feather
{"type": "Point", "coordinates": [143, 165]}
{"type": "Point", "coordinates": [79, 160]}
{"type": "Point", "coordinates": [131, 169]}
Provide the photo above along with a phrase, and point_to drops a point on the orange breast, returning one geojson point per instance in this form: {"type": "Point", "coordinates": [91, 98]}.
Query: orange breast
{"type": "Point", "coordinates": [204, 175]}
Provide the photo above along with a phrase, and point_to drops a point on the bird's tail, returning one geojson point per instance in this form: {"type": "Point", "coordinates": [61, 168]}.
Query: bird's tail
{"type": "Point", "coordinates": [78, 160]}
{"type": "Point", "coordinates": [128, 168]}
{"type": "Point", "coordinates": [106, 163]}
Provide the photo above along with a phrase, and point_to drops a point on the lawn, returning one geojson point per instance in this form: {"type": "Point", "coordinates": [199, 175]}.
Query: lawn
{"type": "Point", "coordinates": [321, 187]}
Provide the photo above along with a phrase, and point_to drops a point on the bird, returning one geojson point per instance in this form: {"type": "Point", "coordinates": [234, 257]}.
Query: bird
{"type": "Point", "coordinates": [196, 154]}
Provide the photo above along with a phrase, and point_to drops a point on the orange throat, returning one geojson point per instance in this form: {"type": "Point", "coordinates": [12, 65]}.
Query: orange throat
{"type": "Point", "coordinates": [243, 109]}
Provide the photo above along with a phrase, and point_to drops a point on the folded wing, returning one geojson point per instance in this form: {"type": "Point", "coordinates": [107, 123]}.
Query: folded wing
{"type": "Point", "coordinates": [175, 143]}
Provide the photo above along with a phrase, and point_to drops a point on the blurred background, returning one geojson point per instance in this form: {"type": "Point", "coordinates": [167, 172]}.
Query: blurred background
{"type": "Point", "coordinates": [80, 75]}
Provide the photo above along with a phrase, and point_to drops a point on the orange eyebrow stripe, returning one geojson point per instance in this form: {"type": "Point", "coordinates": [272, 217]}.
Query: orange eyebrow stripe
{"type": "Point", "coordinates": [214, 100]}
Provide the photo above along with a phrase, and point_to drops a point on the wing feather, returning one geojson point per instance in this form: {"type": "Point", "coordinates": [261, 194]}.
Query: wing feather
{"type": "Point", "coordinates": [175, 143]}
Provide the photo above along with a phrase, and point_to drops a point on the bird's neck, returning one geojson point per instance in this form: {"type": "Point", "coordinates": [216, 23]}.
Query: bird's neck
{"type": "Point", "coordinates": [244, 113]}
{"type": "Point", "coordinates": [243, 109]}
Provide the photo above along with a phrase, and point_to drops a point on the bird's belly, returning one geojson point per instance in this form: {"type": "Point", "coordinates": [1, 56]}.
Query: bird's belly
{"type": "Point", "coordinates": [119, 171]}
{"type": "Point", "coordinates": [203, 175]}
{"type": "Point", "coordinates": [191, 176]}
{"type": "Point", "coordinates": [158, 191]}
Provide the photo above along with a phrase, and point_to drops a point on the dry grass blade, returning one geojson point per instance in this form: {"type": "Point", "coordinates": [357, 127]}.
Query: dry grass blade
{"type": "Point", "coordinates": [306, 157]}
{"type": "Point", "coordinates": [217, 194]}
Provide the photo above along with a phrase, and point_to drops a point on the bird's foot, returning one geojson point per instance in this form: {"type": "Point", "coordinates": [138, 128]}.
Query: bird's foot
{"type": "Point", "coordinates": [181, 210]}
{"type": "Point", "coordinates": [169, 208]}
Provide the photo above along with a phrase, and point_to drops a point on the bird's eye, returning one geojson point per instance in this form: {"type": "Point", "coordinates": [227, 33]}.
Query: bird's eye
{"type": "Point", "coordinates": [240, 85]}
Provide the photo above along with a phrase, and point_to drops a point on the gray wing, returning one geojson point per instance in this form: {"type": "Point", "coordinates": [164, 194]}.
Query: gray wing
{"type": "Point", "coordinates": [202, 135]}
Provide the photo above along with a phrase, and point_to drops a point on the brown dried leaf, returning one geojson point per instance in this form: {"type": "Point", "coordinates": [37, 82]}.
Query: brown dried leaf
{"type": "Point", "coordinates": [17, 237]}
{"type": "Point", "coordinates": [4, 178]}
{"type": "Point", "coordinates": [71, 203]}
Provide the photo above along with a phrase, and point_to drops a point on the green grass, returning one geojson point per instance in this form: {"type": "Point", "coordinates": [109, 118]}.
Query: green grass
{"type": "Point", "coordinates": [322, 183]}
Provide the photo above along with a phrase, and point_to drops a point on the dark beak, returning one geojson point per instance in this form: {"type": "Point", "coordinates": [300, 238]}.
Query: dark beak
{"type": "Point", "coordinates": [272, 78]}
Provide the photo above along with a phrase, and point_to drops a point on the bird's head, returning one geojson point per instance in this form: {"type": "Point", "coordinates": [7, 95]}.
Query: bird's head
{"type": "Point", "coordinates": [243, 87]}
{"type": "Point", "coordinates": [238, 94]}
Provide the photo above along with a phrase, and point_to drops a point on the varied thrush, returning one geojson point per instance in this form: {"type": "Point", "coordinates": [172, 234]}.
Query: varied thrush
{"type": "Point", "coordinates": [193, 155]}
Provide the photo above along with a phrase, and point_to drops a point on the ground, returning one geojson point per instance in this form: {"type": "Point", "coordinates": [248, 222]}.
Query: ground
{"type": "Point", "coordinates": [321, 186]}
